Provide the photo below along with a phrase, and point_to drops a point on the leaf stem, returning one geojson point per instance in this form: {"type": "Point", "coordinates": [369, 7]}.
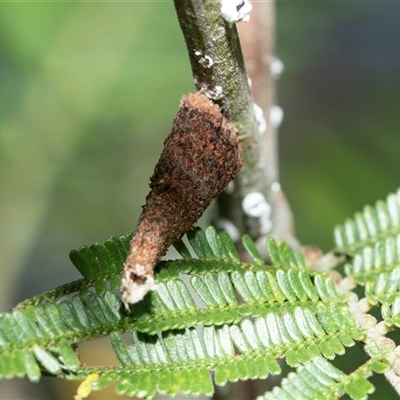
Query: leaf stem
{"type": "Point", "coordinates": [377, 333]}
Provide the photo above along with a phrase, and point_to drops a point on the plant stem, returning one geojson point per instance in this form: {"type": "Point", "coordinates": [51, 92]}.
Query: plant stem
{"type": "Point", "coordinates": [216, 59]}
{"type": "Point", "coordinates": [258, 43]}
{"type": "Point", "coordinates": [378, 334]}
{"type": "Point", "coordinates": [218, 69]}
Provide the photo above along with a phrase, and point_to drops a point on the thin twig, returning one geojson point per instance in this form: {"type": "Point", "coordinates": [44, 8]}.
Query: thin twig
{"type": "Point", "coordinates": [264, 68]}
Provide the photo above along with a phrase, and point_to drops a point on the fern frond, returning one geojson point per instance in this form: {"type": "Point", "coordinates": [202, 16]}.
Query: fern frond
{"type": "Point", "coordinates": [42, 337]}
{"type": "Point", "coordinates": [34, 341]}
{"type": "Point", "coordinates": [181, 360]}
{"type": "Point", "coordinates": [211, 314]}
{"type": "Point", "coordinates": [297, 315]}
{"type": "Point", "coordinates": [172, 305]}
{"type": "Point", "coordinates": [391, 312]}
{"type": "Point", "coordinates": [285, 296]}
{"type": "Point", "coordinates": [320, 380]}
{"type": "Point", "coordinates": [372, 261]}
{"type": "Point", "coordinates": [374, 224]}
{"type": "Point", "coordinates": [101, 264]}
{"type": "Point", "coordinates": [378, 268]}
{"type": "Point", "coordinates": [98, 262]}
{"type": "Point", "coordinates": [294, 328]}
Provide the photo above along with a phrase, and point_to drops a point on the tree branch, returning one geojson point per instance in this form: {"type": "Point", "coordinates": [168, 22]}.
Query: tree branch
{"type": "Point", "coordinates": [258, 43]}
{"type": "Point", "coordinates": [250, 205]}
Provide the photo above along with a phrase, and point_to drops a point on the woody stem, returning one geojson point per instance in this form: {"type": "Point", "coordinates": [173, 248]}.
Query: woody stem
{"type": "Point", "coordinates": [218, 70]}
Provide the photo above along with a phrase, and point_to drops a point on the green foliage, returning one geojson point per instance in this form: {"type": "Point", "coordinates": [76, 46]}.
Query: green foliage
{"type": "Point", "coordinates": [372, 238]}
{"type": "Point", "coordinates": [213, 313]}
{"type": "Point", "coordinates": [319, 379]}
{"type": "Point", "coordinates": [374, 224]}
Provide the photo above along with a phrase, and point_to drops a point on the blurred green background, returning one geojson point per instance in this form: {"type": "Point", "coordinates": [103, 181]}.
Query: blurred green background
{"type": "Point", "coordinates": [88, 92]}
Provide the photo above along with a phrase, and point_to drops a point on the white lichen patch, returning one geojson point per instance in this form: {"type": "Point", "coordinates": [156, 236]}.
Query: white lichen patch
{"type": "Point", "coordinates": [276, 67]}
{"type": "Point", "coordinates": [209, 60]}
{"type": "Point", "coordinates": [276, 116]}
{"type": "Point", "coordinates": [223, 224]}
{"type": "Point", "coordinates": [236, 10]}
{"type": "Point", "coordinates": [214, 93]}
{"type": "Point", "coordinates": [276, 187]}
{"type": "Point", "coordinates": [265, 224]}
{"type": "Point", "coordinates": [255, 205]}
{"type": "Point", "coordinates": [261, 122]}
{"type": "Point", "coordinates": [205, 61]}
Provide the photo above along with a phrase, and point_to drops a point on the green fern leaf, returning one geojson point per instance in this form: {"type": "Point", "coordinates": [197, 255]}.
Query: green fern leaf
{"type": "Point", "coordinates": [295, 330]}
{"type": "Point", "coordinates": [102, 260]}
{"type": "Point", "coordinates": [211, 314]}
{"type": "Point", "coordinates": [374, 224]}
{"type": "Point", "coordinates": [320, 380]}
{"type": "Point", "coordinates": [378, 268]}
{"type": "Point", "coordinates": [391, 312]}
{"type": "Point", "coordinates": [370, 262]}
{"type": "Point", "coordinates": [283, 256]}
{"type": "Point", "coordinates": [101, 264]}
{"type": "Point", "coordinates": [39, 338]}
{"type": "Point", "coordinates": [247, 350]}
